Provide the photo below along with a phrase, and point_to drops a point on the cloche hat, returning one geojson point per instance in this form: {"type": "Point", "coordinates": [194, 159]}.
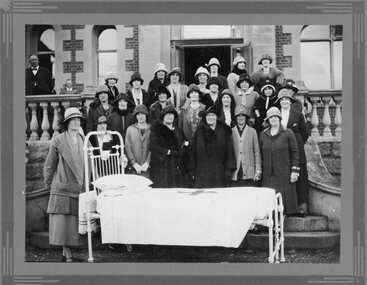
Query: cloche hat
{"type": "Point", "coordinates": [111, 75]}
{"type": "Point", "coordinates": [101, 120]}
{"type": "Point", "coordinates": [162, 89]}
{"type": "Point", "coordinates": [238, 59]}
{"type": "Point", "coordinates": [273, 111]}
{"type": "Point", "coordinates": [244, 77]}
{"type": "Point", "coordinates": [168, 109]}
{"type": "Point", "coordinates": [265, 56]}
{"type": "Point", "coordinates": [241, 110]}
{"type": "Point", "coordinates": [212, 61]}
{"type": "Point", "coordinates": [284, 93]}
{"type": "Point", "coordinates": [72, 112]}
{"type": "Point", "coordinates": [134, 77]}
{"type": "Point", "coordinates": [140, 109]}
{"type": "Point", "coordinates": [213, 80]}
{"type": "Point", "coordinates": [290, 84]}
{"type": "Point", "coordinates": [193, 87]}
{"type": "Point", "coordinates": [160, 67]}
{"type": "Point", "coordinates": [201, 70]}
{"type": "Point", "coordinates": [102, 89]}
{"type": "Point", "coordinates": [175, 70]}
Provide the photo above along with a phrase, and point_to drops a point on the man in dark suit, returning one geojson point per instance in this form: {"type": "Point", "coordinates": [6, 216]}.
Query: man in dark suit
{"type": "Point", "coordinates": [38, 79]}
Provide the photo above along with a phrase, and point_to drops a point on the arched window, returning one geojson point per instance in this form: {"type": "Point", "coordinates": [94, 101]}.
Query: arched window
{"type": "Point", "coordinates": [321, 56]}
{"type": "Point", "coordinates": [106, 51]}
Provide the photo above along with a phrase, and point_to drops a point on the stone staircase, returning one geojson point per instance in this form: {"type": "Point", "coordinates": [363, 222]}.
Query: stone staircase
{"type": "Point", "coordinates": [310, 232]}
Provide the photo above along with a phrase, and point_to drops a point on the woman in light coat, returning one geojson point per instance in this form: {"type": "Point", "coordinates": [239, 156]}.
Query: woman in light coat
{"type": "Point", "coordinates": [177, 88]}
{"type": "Point", "coordinates": [137, 142]}
{"type": "Point", "coordinates": [246, 150]}
{"type": "Point", "coordinates": [64, 176]}
{"type": "Point", "coordinates": [239, 67]}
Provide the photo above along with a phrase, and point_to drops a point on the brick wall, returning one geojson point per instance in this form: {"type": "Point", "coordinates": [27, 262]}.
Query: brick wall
{"type": "Point", "coordinates": [132, 43]}
{"type": "Point", "coordinates": [73, 45]}
{"type": "Point", "coordinates": [282, 39]}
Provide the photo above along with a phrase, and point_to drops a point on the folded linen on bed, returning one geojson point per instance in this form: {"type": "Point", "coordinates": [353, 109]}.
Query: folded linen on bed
{"type": "Point", "coordinates": [83, 212]}
{"type": "Point", "coordinates": [182, 216]}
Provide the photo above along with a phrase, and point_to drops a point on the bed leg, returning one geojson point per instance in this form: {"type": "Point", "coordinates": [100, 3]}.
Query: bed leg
{"type": "Point", "coordinates": [89, 231]}
{"type": "Point", "coordinates": [282, 259]}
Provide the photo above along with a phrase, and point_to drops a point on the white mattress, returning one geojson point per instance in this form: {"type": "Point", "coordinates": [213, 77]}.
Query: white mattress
{"type": "Point", "coordinates": [180, 216]}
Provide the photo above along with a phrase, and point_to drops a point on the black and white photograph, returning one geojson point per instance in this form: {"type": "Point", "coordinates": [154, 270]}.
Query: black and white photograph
{"type": "Point", "coordinates": [183, 143]}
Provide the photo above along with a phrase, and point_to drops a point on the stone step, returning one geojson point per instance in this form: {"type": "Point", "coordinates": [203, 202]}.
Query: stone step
{"type": "Point", "coordinates": [295, 240]}
{"type": "Point", "coordinates": [306, 224]}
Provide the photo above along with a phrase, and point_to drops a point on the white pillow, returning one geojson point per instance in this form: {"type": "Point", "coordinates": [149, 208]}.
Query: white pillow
{"type": "Point", "coordinates": [121, 182]}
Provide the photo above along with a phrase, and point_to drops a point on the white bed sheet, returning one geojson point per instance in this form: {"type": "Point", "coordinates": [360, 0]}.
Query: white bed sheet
{"type": "Point", "coordinates": [180, 216]}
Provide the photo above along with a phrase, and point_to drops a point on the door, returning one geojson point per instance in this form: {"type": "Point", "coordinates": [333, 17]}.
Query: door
{"type": "Point", "coordinates": [244, 50]}
{"type": "Point", "coordinates": [177, 56]}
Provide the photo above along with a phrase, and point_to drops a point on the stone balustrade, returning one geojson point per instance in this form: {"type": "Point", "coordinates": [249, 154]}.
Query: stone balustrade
{"type": "Point", "coordinates": [44, 113]}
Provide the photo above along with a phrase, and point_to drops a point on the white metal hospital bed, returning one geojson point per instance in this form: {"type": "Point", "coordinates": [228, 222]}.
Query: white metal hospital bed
{"type": "Point", "coordinates": [133, 213]}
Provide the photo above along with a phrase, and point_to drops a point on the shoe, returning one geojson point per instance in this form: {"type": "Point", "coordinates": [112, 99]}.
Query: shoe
{"type": "Point", "coordinates": [301, 214]}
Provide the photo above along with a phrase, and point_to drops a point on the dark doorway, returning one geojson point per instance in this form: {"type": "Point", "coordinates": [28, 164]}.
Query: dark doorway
{"type": "Point", "coordinates": [199, 56]}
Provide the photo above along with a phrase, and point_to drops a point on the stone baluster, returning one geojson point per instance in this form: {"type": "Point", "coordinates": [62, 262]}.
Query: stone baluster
{"type": "Point", "coordinates": [26, 122]}
{"type": "Point", "coordinates": [45, 126]}
{"type": "Point", "coordinates": [326, 120]}
{"type": "Point", "coordinates": [338, 117]}
{"type": "Point", "coordinates": [314, 117]}
{"type": "Point", "coordinates": [56, 121]}
{"type": "Point", "coordinates": [34, 124]}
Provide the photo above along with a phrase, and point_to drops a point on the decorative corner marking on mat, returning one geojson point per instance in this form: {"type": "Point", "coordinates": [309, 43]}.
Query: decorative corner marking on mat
{"type": "Point", "coordinates": [6, 30]}
{"type": "Point", "coordinates": [7, 257]}
{"type": "Point", "coordinates": [332, 7]}
{"type": "Point", "coordinates": [34, 280]}
{"type": "Point", "coordinates": [358, 32]}
{"type": "Point", "coordinates": [31, 7]}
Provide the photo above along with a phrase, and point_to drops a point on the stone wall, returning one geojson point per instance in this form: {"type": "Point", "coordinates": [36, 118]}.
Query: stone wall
{"type": "Point", "coordinates": [331, 154]}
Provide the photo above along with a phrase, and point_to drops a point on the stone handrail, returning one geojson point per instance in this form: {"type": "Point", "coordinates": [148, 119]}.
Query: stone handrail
{"type": "Point", "coordinates": [44, 113]}
{"type": "Point", "coordinates": [325, 116]}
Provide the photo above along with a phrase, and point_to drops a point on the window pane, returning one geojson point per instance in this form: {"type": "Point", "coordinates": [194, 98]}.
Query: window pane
{"type": "Point", "coordinates": [107, 40]}
{"type": "Point", "coordinates": [107, 61]}
{"type": "Point", "coordinates": [338, 64]}
{"type": "Point", "coordinates": [315, 64]}
{"type": "Point", "coordinates": [316, 32]}
{"type": "Point", "coordinates": [202, 31]}
{"type": "Point", "coordinates": [47, 40]}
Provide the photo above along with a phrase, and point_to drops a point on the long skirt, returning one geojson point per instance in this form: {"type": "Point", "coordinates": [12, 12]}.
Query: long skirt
{"type": "Point", "coordinates": [63, 230]}
{"type": "Point", "coordinates": [302, 185]}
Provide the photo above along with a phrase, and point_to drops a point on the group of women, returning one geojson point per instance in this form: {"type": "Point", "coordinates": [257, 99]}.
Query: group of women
{"type": "Point", "coordinates": [237, 131]}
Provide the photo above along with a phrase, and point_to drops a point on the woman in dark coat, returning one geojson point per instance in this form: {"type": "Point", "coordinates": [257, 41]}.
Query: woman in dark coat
{"type": "Point", "coordinates": [212, 159]}
{"type": "Point", "coordinates": [136, 94]}
{"type": "Point", "coordinates": [111, 81]}
{"type": "Point", "coordinates": [226, 106]}
{"type": "Point", "coordinates": [294, 120]}
{"type": "Point", "coordinates": [279, 153]}
{"type": "Point", "coordinates": [168, 147]}
{"type": "Point", "coordinates": [160, 78]}
{"type": "Point", "coordinates": [160, 102]}
{"type": "Point", "coordinates": [121, 117]}
{"type": "Point", "coordinates": [64, 176]}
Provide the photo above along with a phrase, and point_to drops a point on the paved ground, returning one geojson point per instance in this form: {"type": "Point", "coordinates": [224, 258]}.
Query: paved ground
{"type": "Point", "coordinates": [181, 254]}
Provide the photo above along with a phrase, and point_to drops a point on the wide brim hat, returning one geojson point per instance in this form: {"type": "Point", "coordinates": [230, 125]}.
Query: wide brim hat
{"type": "Point", "coordinates": [290, 84]}
{"type": "Point", "coordinates": [123, 96]}
{"type": "Point", "coordinates": [168, 109]}
{"type": "Point", "coordinates": [273, 111]}
{"type": "Point", "coordinates": [244, 77]}
{"type": "Point", "coordinates": [162, 89]}
{"type": "Point", "coordinates": [284, 93]}
{"type": "Point", "coordinates": [175, 70]}
{"type": "Point", "coordinates": [207, 110]}
{"type": "Point", "coordinates": [70, 113]}
{"type": "Point", "coordinates": [238, 59]}
{"type": "Point", "coordinates": [140, 109]}
{"type": "Point", "coordinates": [213, 61]}
{"type": "Point", "coordinates": [193, 87]}
{"type": "Point", "coordinates": [136, 77]}
{"type": "Point", "coordinates": [265, 56]}
{"type": "Point", "coordinates": [102, 89]}
{"type": "Point", "coordinates": [201, 70]}
{"type": "Point", "coordinates": [160, 67]}
{"type": "Point", "coordinates": [111, 75]}
{"type": "Point", "coordinates": [213, 80]}
{"type": "Point", "coordinates": [242, 110]}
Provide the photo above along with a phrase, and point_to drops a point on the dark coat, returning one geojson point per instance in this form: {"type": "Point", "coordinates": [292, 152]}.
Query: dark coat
{"type": "Point", "coordinates": [147, 100]}
{"type": "Point", "coordinates": [41, 83]}
{"type": "Point", "coordinates": [212, 158]}
{"type": "Point", "coordinates": [279, 158]}
{"type": "Point", "coordinates": [111, 91]}
{"type": "Point", "coordinates": [94, 112]}
{"type": "Point", "coordinates": [275, 76]}
{"type": "Point", "coordinates": [119, 121]}
{"type": "Point", "coordinates": [223, 82]}
{"type": "Point", "coordinates": [297, 124]}
{"type": "Point", "coordinates": [260, 107]}
{"type": "Point", "coordinates": [153, 85]}
{"type": "Point", "coordinates": [208, 101]}
{"type": "Point", "coordinates": [167, 171]}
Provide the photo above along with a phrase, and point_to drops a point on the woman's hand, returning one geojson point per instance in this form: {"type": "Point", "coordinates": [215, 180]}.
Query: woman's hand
{"type": "Point", "coordinates": [294, 177]}
{"type": "Point", "coordinates": [145, 167]}
{"type": "Point", "coordinates": [257, 176]}
{"type": "Point", "coordinates": [137, 168]}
